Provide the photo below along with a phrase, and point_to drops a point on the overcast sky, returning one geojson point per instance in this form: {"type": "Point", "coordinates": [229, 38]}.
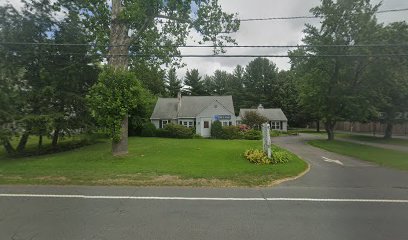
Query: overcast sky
{"type": "Point", "coordinates": [276, 32]}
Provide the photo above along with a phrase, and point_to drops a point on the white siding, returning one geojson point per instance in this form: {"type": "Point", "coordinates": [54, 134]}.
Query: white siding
{"type": "Point", "coordinates": [210, 112]}
{"type": "Point", "coordinates": [284, 126]}
{"type": "Point", "coordinates": [156, 122]}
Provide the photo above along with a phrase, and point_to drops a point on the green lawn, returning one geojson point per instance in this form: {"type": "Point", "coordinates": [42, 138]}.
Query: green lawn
{"type": "Point", "coordinates": [151, 161]}
{"type": "Point", "coordinates": [384, 157]}
{"type": "Point", "coordinates": [373, 139]}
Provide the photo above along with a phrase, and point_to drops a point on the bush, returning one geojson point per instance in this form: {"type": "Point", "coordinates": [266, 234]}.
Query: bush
{"type": "Point", "coordinates": [148, 130]}
{"type": "Point", "coordinates": [231, 132]}
{"type": "Point", "coordinates": [275, 133]}
{"type": "Point", "coordinates": [280, 156]}
{"type": "Point", "coordinates": [257, 156]}
{"type": "Point", "coordinates": [216, 130]}
{"type": "Point", "coordinates": [252, 135]}
{"type": "Point", "coordinates": [175, 131]}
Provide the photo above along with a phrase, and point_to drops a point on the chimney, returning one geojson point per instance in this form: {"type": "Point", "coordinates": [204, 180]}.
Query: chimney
{"type": "Point", "coordinates": [260, 107]}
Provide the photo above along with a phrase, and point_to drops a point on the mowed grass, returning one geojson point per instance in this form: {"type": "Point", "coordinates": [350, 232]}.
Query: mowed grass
{"type": "Point", "coordinates": [384, 157]}
{"type": "Point", "coordinates": [373, 139]}
{"type": "Point", "coordinates": [151, 161]}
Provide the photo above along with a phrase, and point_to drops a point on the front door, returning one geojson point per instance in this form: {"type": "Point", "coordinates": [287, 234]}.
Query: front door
{"type": "Point", "coordinates": [206, 127]}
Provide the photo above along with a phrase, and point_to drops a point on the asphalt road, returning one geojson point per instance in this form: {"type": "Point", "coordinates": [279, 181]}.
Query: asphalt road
{"type": "Point", "coordinates": [339, 198]}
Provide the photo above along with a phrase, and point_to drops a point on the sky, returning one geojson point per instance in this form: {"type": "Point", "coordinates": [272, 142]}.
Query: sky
{"type": "Point", "coordinates": [276, 32]}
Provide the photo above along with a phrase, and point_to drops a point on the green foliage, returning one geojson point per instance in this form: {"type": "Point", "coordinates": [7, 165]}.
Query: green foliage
{"type": "Point", "coordinates": [172, 130]}
{"type": "Point", "coordinates": [157, 27]}
{"type": "Point", "coordinates": [252, 135]}
{"type": "Point", "coordinates": [148, 130]}
{"type": "Point", "coordinates": [257, 156]}
{"type": "Point", "coordinates": [260, 81]}
{"type": "Point", "coordinates": [232, 132]}
{"type": "Point", "coordinates": [280, 156]}
{"type": "Point", "coordinates": [253, 119]}
{"type": "Point", "coordinates": [45, 89]}
{"type": "Point", "coordinates": [173, 83]}
{"type": "Point", "coordinates": [111, 99]}
{"type": "Point", "coordinates": [336, 89]}
{"type": "Point", "coordinates": [151, 78]}
{"type": "Point", "coordinates": [216, 130]}
{"type": "Point", "coordinates": [194, 83]}
{"type": "Point", "coordinates": [275, 133]}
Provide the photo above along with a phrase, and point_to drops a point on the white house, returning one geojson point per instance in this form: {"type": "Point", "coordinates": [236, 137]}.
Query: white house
{"type": "Point", "coordinates": [276, 117]}
{"type": "Point", "coordinates": [194, 112]}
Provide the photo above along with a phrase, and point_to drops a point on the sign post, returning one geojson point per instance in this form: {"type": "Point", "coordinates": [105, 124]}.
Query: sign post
{"type": "Point", "coordinates": [266, 139]}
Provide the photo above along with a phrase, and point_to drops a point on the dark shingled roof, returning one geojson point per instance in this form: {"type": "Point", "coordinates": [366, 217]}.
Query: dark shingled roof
{"type": "Point", "coordinates": [270, 113]}
{"type": "Point", "coordinates": [166, 108]}
{"type": "Point", "coordinates": [191, 106]}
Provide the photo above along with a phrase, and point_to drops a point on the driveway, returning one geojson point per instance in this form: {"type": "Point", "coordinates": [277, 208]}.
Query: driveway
{"type": "Point", "coordinates": [339, 198]}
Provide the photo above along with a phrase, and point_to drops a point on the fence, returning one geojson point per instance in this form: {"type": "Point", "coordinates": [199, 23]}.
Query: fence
{"type": "Point", "coordinates": [372, 127]}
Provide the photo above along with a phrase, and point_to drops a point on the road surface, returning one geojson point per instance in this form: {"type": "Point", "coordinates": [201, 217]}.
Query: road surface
{"type": "Point", "coordinates": [339, 198]}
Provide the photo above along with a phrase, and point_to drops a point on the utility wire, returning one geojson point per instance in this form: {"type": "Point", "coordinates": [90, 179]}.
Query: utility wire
{"type": "Point", "coordinates": [209, 46]}
{"type": "Point", "coordinates": [310, 17]}
{"type": "Point", "coordinates": [232, 56]}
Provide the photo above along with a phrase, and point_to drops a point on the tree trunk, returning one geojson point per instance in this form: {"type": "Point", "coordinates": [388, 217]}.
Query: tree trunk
{"type": "Point", "coordinates": [55, 137]}
{"type": "Point", "coordinates": [121, 147]}
{"type": "Point", "coordinates": [40, 141]}
{"type": "Point", "coordinates": [118, 59]}
{"type": "Point", "coordinates": [7, 146]}
{"type": "Point", "coordinates": [318, 126]}
{"type": "Point", "coordinates": [23, 142]}
{"type": "Point", "coordinates": [388, 131]}
{"type": "Point", "coordinates": [329, 126]}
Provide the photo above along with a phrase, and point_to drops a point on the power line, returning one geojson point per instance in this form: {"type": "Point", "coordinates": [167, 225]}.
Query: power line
{"type": "Point", "coordinates": [209, 46]}
{"type": "Point", "coordinates": [309, 17]}
{"type": "Point", "coordinates": [233, 56]}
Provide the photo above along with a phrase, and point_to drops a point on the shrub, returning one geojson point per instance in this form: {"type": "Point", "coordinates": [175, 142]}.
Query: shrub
{"type": "Point", "coordinates": [231, 132]}
{"type": "Point", "coordinates": [197, 136]}
{"type": "Point", "coordinates": [176, 131]}
{"type": "Point", "coordinates": [252, 135]}
{"type": "Point", "coordinates": [243, 127]}
{"type": "Point", "coordinates": [148, 130]}
{"type": "Point", "coordinates": [257, 156]}
{"type": "Point", "coordinates": [275, 133]}
{"type": "Point", "coordinates": [280, 156]}
{"type": "Point", "coordinates": [216, 130]}
{"type": "Point", "coordinates": [162, 133]}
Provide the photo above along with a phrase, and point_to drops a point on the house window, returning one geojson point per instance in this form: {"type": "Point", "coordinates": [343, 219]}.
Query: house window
{"type": "Point", "coordinates": [188, 124]}
{"type": "Point", "coordinates": [164, 123]}
{"type": "Point", "coordinates": [275, 125]}
{"type": "Point", "coordinates": [206, 124]}
{"type": "Point", "coordinates": [224, 123]}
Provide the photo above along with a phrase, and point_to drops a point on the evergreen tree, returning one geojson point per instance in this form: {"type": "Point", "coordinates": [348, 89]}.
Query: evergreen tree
{"type": "Point", "coordinates": [173, 83]}
{"type": "Point", "coordinates": [194, 83]}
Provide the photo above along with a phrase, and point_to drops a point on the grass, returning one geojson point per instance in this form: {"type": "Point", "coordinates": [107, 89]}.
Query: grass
{"type": "Point", "coordinates": [151, 161]}
{"type": "Point", "coordinates": [373, 139]}
{"type": "Point", "coordinates": [364, 138]}
{"type": "Point", "coordinates": [383, 157]}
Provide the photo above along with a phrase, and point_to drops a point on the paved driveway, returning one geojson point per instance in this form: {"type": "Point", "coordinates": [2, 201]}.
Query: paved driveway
{"type": "Point", "coordinates": [339, 198]}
